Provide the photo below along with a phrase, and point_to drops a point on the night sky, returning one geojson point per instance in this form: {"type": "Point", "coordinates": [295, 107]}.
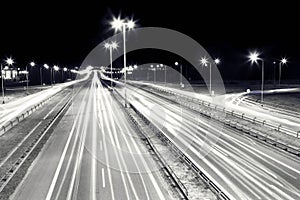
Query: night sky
{"type": "Point", "coordinates": [64, 34]}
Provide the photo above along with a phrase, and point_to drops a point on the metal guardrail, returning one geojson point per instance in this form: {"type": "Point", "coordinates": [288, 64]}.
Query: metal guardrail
{"type": "Point", "coordinates": [167, 169]}
{"type": "Point", "coordinates": [186, 158]}
{"type": "Point", "coordinates": [21, 117]}
{"type": "Point", "coordinates": [16, 165]}
{"type": "Point", "coordinates": [266, 123]}
{"type": "Point", "coordinates": [273, 141]}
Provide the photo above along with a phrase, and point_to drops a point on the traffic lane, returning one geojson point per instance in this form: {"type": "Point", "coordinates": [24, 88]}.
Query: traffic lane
{"type": "Point", "coordinates": [226, 133]}
{"type": "Point", "coordinates": [17, 139]}
{"type": "Point", "coordinates": [38, 179]}
{"type": "Point", "coordinates": [138, 165]}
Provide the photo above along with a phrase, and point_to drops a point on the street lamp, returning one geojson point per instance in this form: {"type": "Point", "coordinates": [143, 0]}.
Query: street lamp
{"type": "Point", "coordinates": [8, 61]}
{"type": "Point", "coordinates": [254, 58]}
{"type": "Point", "coordinates": [122, 25]}
{"type": "Point", "coordinates": [204, 61]}
{"type": "Point", "coordinates": [63, 71]}
{"type": "Point", "coordinates": [32, 64]}
{"type": "Point", "coordinates": [282, 62]}
{"type": "Point", "coordinates": [111, 46]}
{"type": "Point", "coordinates": [56, 68]}
{"type": "Point", "coordinates": [176, 64]}
{"type": "Point", "coordinates": [217, 61]}
{"type": "Point", "coordinates": [47, 67]}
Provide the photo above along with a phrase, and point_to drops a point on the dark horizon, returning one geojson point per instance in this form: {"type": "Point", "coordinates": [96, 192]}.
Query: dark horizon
{"type": "Point", "coordinates": [64, 34]}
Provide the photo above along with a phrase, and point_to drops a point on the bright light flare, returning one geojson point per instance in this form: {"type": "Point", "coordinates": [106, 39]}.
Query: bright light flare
{"type": "Point", "coordinates": [9, 61]}
{"type": "Point", "coordinates": [55, 67]}
{"type": "Point", "coordinates": [283, 61]}
{"type": "Point", "coordinates": [117, 23]}
{"type": "Point", "coordinates": [176, 63]}
{"type": "Point", "coordinates": [204, 61]}
{"type": "Point", "coordinates": [130, 24]}
{"type": "Point", "coordinates": [217, 61]}
{"type": "Point", "coordinates": [65, 69]}
{"type": "Point", "coordinates": [32, 64]}
{"type": "Point", "coordinates": [46, 66]}
{"type": "Point", "coordinates": [112, 45]}
{"type": "Point", "coordinates": [254, 57]}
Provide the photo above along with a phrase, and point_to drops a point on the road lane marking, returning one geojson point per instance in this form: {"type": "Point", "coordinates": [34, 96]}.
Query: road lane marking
{"type": "Point", "coordinates": [103, 178]}
{"type": "Point", "coordinates": [115, 134]}
{"type": "Point", "coordinates": [76, 172]}
{"type": "Point", "coordinates": [59, 166]}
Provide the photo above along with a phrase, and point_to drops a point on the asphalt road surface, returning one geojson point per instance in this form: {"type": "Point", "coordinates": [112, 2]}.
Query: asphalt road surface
{"type": "Point", "coordinates": [93, 153]}
{"type": "Point", "coordinates": [242, 167]}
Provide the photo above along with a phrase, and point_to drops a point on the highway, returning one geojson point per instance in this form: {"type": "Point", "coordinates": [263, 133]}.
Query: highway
{"type": "Point", "coordinates": [242, 167]}
{"type": "Point", "coordinates": [93, 153]}
{"type": "Point", "coordinates": [15, 108]}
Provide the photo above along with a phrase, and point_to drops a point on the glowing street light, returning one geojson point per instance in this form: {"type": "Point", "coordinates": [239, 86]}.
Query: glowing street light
{"type": "Point", "coordinates": [204, 61]}
{"type": "Point", "coordinates": [217, 61]}
{"type": "Point", "coordinates": [283, 61]}
{"type": "Point", "coordinates": [176, 64]}
{"type": "Point", "coordinates": [254, 58]}
{"type": "Point", "coordinates": [122, 25]}
{"type": "Point", "coordinates": [111, 46]}
{"type": "Point", "coordinates": [32, 64]}
{"type": "Point", "coordinates": [56, 68]}
{"type": "Point", "coordinates": [8, 61]}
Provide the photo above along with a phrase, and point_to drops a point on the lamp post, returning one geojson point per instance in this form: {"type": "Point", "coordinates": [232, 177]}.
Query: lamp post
{"type": "Point", "coordinates": [120, 24]}
{"type": "Point", "coordinates": [111, 46]}
{"type": "Point", "coordinates": [8, 61]}
{"type": "Point", "coordinates": [254, 58]}
{"type": "Point", "coordinates": [204, 61]}
{"type": "Point", "coordinates": [63, 73]}
{"type": "Point", "coordinates": [56, 68]}
{"type": "Point", "coordinates": [32, 64]}
{"type": "Point", "coordinates": [282, 62]}
{"type": "Point", "coordinates": [47, 67]}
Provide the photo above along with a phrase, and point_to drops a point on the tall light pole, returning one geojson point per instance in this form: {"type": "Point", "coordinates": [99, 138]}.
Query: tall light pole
{"type": "Point", "coordinates": [111, 46]}
{"type": "Point", "coordinates": [120, 24]}
{"type": "Point", "coordinates": [8, 61]}
{"type": "Point", "coordinates": [32, 64]}
{"type": "Point", "coordinates": [254, 58]}
{"type": "Point", "coordinates": [47, 67]}
{"type": "Point", "coordinates": [274, 73]}
{"type": "Point", "coordinates": [64, 71]}
{"type": "Point", "coordinates": [176, 64]}
{"type": "Point", "coordinates": [204, 61]}
{"type": "Point", "coordinates": [282, 62]}
{"type": "Point", "coordinates": [56, 68]}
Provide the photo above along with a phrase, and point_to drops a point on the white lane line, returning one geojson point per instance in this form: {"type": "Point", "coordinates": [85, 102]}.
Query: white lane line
{"type": "Point", "coordinates": [103, 178]}
{"type": "Point", "coordinates": [101, 126]}
{"type": "Point", "coordinates": [94, 150]}
{"type": "Point", "coordinates": [54, 180]}
{"type": "Point", "coordinates": [119, 155]}
{"type": "Point", "coordinates": [72, 151]}
{"type": "Point", "coordinates": [74, 186]}
{"type": "Point", "coordinates": [20, 143]}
